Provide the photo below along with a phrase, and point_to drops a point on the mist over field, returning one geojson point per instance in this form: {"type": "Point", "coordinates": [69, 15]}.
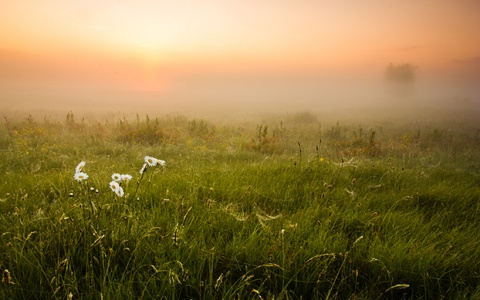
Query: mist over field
{"type": "Point", "coordinates": [268, 187]}
{"type": "Point", "coordinates": [227, 60]}
{"type": "Point", "coordinates": [357, 97]}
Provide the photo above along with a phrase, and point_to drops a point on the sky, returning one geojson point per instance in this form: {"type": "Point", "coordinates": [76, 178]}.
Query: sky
{"type": "Point", "coordinates": [224, 53]}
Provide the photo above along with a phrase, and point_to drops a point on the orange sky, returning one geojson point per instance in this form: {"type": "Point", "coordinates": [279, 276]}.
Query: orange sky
{"type": "Point", "coordinates": [148, 44]}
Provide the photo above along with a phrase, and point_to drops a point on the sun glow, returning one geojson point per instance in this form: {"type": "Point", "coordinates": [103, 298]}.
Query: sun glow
{"type": "Point", "coordinates": [227, 49]}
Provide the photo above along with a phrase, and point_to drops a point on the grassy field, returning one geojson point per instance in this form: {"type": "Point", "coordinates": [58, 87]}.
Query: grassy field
{"type": "Point", "coordinates": [286, 207]}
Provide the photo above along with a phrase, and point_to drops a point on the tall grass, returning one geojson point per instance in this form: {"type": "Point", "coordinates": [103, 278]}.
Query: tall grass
{"type": "Point", "coordinates": [305, 211]}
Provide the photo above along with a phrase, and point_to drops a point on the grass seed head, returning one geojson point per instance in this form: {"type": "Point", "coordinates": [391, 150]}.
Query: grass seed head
{"type": "Point", "coordinates": [6, 278]}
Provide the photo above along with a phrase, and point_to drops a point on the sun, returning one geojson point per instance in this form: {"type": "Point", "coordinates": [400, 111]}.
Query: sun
{"type": "Point", "coordinates": [145, 69]}
{"type": "Point", "coordinates": [145, 72]}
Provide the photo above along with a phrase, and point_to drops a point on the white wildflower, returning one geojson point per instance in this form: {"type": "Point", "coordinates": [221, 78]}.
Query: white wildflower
{"type": "Point", "coordinates": [151, 161]}
{"type": "Point", "coordinates": [80, 176]}
{"type": "Point", "coordinates": [119, 192]}
{"type": "Point", "coordinates": [116, 177]}
{"type": "Point", "coordinates": [114, 186]}
{"type": "Point", "coordinates": [143, 169]}
{"type": "Point", "coordinates": [126, 177]}
{"type": "Point", "coordinates": [80, 167]}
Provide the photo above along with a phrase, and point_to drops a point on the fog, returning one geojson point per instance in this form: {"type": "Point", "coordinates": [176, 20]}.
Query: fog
{"type": "Point", "coordinates": [232, 60]}
{"type": "Point", "coordinates": [342, 96]}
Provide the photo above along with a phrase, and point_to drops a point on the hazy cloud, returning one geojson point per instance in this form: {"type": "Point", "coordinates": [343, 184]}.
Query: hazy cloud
{"type": "Point", "coordinates": [473, 60]}
{"type": "Point", "coordinates": [409, 48]}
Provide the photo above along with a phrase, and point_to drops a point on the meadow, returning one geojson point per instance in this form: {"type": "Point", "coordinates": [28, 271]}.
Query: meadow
{"type": "Point", "coordinates": [283, 207]}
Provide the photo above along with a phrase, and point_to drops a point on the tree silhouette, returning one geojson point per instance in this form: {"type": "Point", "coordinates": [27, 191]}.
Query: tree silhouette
{"type": "Point", "coordinates": [402, 73]}
{"type": "Point", "coordinates": [401, 78]}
